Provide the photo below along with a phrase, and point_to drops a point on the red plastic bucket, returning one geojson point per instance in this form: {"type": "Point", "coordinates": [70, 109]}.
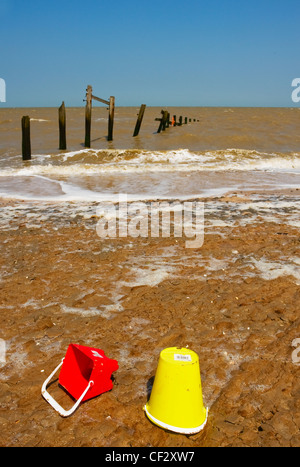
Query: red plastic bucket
{"type": "Point", "coordinates": [86, 373]}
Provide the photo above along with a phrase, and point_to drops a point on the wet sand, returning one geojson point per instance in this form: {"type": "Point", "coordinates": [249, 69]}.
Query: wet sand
{"type": "Point", "coordinates": [235, 302]}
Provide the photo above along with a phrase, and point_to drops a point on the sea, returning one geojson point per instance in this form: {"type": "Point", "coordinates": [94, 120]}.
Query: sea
{"type": "Point", "coordinates": [218, 150]}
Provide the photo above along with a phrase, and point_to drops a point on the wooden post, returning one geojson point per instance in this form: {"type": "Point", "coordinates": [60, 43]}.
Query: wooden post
{"type": "Point", "coordinates": [174, 118]}
{"type": "Point", "coordinates": [111, 118]}
{"type": "Point", "coordinates": [26, 145]}
{"type": "Point", "coordinates": [168, 120]}
{"type": "Point", "coordinates": [162, 125]}
{"type": "Point", "coordinates": [180, 120]}
{"type": "Point", "coordinates": [88, 117]}
{"type": "Point", "coordinates": [62, 127]}
{"type": "Point", "coordinates": [139, 120]}
{"type": "Point", "coordinates": [161, 122]}
{"type": "Point", "coordinates": [164, 119]}
{"type": "Point", "coordinates": [185, 120]}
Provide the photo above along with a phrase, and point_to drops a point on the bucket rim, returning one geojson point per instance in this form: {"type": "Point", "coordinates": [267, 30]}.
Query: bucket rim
{"type": "Point", "coordinates": [184, 431]}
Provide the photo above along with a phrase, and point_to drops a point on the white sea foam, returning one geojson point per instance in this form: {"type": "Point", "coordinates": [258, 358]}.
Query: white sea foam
{"type": "Point", "coordinates": [150, 276]}
{"type": "Point", "coordinates": [105, 311]}
{"type": "Point", "coordinates": [39, 120]}
{"type": "Point", "coordinates": [84, 174]}
{"type": "Point", "coordinates": [270, 270]}
{"type": "Point", "coordinates": [144, 161]}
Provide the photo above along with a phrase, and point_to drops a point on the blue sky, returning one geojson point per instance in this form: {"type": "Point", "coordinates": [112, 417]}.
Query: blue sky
{"type": "Point", "coordinates": [164, 53]}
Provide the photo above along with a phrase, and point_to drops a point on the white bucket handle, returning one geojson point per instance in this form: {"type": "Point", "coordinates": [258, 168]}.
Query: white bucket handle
{"type": "Point", "coordinates": [54, 404]}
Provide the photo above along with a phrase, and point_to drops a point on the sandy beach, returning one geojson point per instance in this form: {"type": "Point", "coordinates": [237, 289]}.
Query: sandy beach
{"type": "Point", "coordinates": [234, 301]}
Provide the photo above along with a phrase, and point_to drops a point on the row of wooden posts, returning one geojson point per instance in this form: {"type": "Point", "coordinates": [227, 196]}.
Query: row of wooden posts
{"type": "Point", "coordinates": [26, 142]}
{"type": "Point", "coordinates": [165, 122]}
{"type": "Point", "coordinates": [88, 115]}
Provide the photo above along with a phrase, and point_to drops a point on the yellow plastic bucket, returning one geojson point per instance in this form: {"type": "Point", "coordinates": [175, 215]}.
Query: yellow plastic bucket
{"type": "Point", "coordinates": [176, 401]}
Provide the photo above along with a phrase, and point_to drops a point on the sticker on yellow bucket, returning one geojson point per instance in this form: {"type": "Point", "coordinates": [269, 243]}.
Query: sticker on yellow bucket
{"type": "Point", "coordinates": [182, 358]}
{"type": "Point", "coordinates": [176, 402]}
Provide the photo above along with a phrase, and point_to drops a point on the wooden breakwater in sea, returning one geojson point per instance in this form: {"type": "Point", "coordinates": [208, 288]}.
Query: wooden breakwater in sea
{"type": "Point", "coordinates": [165, 121]}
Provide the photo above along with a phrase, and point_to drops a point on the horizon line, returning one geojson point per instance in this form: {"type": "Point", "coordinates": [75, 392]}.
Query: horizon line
{"type": "Point", "coordinates": [158, 106]}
